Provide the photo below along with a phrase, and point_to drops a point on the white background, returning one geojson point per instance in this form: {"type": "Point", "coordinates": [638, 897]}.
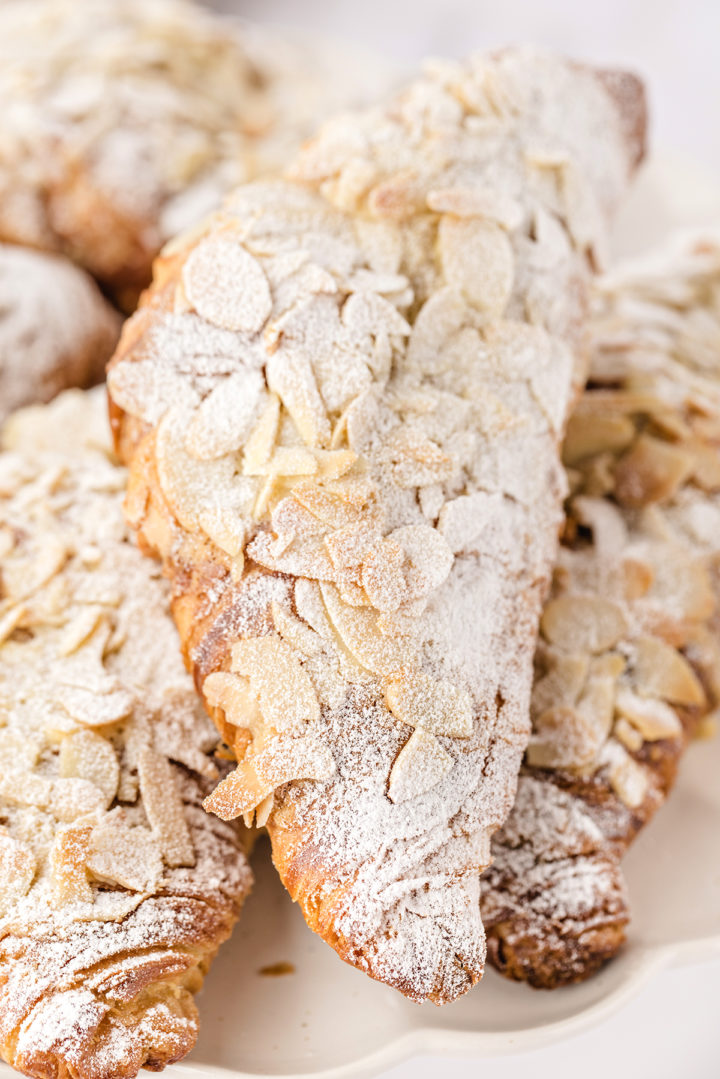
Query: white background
{"type": "Point", "coordinates": [672, 1030]}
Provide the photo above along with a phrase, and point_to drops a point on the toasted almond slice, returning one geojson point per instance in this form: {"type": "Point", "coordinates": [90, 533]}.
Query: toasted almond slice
{"type": "Point", "coordinates": [348, 546]}
{"type": "Point", "coordinates": [68, 861]}
{"type": "Point", "coordinates": [296, 633]}
{"type": "Point", "coordinates": [652, 471]}
{"type": "Point", "coordinates": [226, 417]}
{"type": "Point", "coordinates": [332, 464]}
{"type": "Point", "coordinates": [86, 755]}
{"type": "Point", "coordinates": [79, 629]}
{"type": "Point", "coordinates": [428, 557]}
{"type": "Point", "coordinates": [237, 700]}
{"type": "Point", "coordinates": [421, 764]}
{"type": "Point", "coordinates": [17, 871]}
{"type": "Point", "coordinates": [124, 855]}
{"type": "Point", "coordinates": [289, 461]}
{"type": "Point", "coordinates": [562, 684]}
{"type": "Point", "coordinates": [357, 629]}
{"type": "Point", "coordinates": [290, 375]}
{"type": "Point", "coordinates": [225, 528]}
{"type": "Point", "coordinates": [562, 738]}
{"type": "Point", "coordinates": [185, 481]}
{"type": "Point", "coordinates": [591, 433]}
{"type": "Point", "coordinates": [303, 558]}
{"type": "Point", "coordinates": [627, 778]}
{"type": "Point", "coordinates": [653, 718]}
{"type": "Point", "coordinates": [164, 808]}
{"type": "Point", "coordinates": [659, 670]}
{"type": "Point", "coordinates": [94, 709]}
{"type": "Point", "coordinates": [286, 695]}
{"type": "Point", "coordinates": [627, 734]}
{"type": "Point", "coordinates": [226, 285]}
{"type": "Point", "coordinates": [261, 440]}
{"type": "Point", "coordinates": [477, 258]}
{"type": "Point", "coordinates": [282, 759]}
{"type": "Point", "coordinates": [415, 460]}
{"type": "Point", "coordinates": [583, 623]}
{"type": "Point", "coordinates": [10, 620]}
{"type": "Point", "coordinates": [477, 202]}
{"type": "Point", "coordinates": [433, 704]}
{"type": "Point", "coordinates": [383, 576]}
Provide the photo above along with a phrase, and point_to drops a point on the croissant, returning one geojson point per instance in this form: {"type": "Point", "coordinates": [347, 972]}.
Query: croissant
{"type": "Point", "coordinates": [56, 330]}
{"type": "Point", "coordinates": [629, 656]}
{"type": "Point", "coordinates": [116, 888]}
{"type": "Point", "coordinates": [341, 404]}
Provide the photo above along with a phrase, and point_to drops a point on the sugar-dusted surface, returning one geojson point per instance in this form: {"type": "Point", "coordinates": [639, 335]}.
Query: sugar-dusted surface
{"type": "Point", "coordinates": [414, 292]}
{"type": "Point", "coordinates": [56, 330]}
{"type": "Point", "coordinates": [116, 887]}
{"type": "Point", "coordinates": [630, 651]}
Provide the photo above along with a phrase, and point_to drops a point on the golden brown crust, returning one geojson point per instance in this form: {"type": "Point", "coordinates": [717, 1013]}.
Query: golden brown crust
{"type": "Point", "coordinates": [116, 887]}
{"type": "Point", "coordinates": [297, 400]}
{"type": "Point", "coordinates": [646, 442]}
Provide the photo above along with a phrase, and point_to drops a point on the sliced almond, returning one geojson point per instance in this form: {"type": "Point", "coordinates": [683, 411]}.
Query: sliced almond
{"type": "Point", "coordinates": [661, 671]}
{"type": "Point", "coordinates": [290, 375]}
{"type": "Point", "coordinates": [583, 623]}
{"type": "Point", "coordinates": [226, 285]}
{"type": "Point", "coordinates": [383, 576]}
{"type": "Point", "coordinates": [261, 440]}
{"type": "Point", "coordinates": [421, 764]}
{"type": "Point", "coordinates": [226, 417]}
{"type": "Point", "coordinates": [357, 629]}
{"type": "Point", "coordinates": [653, 718]}
{"type": "Point", "coordinates": [164, 808]}
{"type": "Point", "coordinates": [590, 433]}
{"type": "Point", "coordinates": [477, 258]}
{"type": "Point", "coordinates": [17, 871]}
{"type": "Point", "coordinates": [414, 460]}
{"type": "Point", "coordinates": [428, 557]}
{"type": "Point", "coordinates": [68, 861]}
{"type": "Point", "coordinates": [652, 471]}
{"type": "Point", "coordinates": [124, 855]}
{"type": "Point", "coordinates": [284, 690]}
{"type": "Point", "coordinates": [295, 632]}
{"type": "Point", "coordinates": [237, 700]}
{"type": "Point", "coordinates": [433, 704]}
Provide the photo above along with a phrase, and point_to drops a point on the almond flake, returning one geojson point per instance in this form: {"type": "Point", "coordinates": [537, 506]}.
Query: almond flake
{"type": "Point", "coordinates": [287, 698]}
{"type": "Point", "coordinates": [17, 870]}
{"type": "Point", "coordinates": [651, 471]}
{"type": "Point", "coordinates": [658, 670]}
{"type": "Point", "coordinates": [383, 576]}
{"type": "Point", "coordinates": [68, 861]}
{"type": "Point", "coordinates": [124, 855]}
{"type": "Point", "coordinates": [296, 633]}
{"type": "Point", "coordinates": [87, 755]}
{"type": "Point", "coordinates": [477, 258]}
{"type": "Point", "coordinates": [226, 285]}
{"type": "Point", "coordinates": [428, 557]}
{"type": "Point", "coordinates": [290, 375]}
{"type": "Point", "coordinates": [261, 440]}
{"type": "Point", "coordinates": [437, 706]}
{"type": "Point", "coordinates": [585, 623]}
{"type": "Point", "coordinates": [477, 202]}
{"type": "Point", "coordinates": [234, 696]}
{"type": "Point", "coordinates": [421, 764]}
{"type": "Point", "coordinates": [653, 718]}
{"type": "Point", "coordinates": [164, 808]}
{"type": "Point", "coordinates": [224, 420]}
{"type": "Point", "coordinates": [357, 629]}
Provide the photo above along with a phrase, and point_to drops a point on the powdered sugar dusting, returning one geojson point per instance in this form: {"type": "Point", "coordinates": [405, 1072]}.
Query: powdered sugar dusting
{"type": "Point", "coordinates": [413, 359]}
{"type": "Point", "coordinates": [116, 887]}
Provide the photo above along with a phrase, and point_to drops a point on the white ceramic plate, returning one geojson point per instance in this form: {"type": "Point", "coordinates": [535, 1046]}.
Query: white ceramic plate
{"type": "Point", "coordinates": [328, 1020]}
